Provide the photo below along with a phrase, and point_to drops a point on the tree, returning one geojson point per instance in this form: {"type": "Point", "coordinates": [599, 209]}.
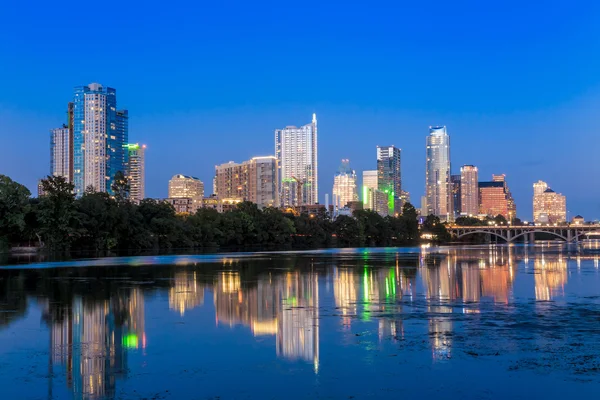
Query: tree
{"type": "Point", "coordinates": [57, 213]}
{"type": "Point", "coordinates": [347, 231]}
{"type": "Point", "coordinates": [409, 215]}
{"type": "Point", "coordinates": [97, 220]}
{"type": "Point", "coordinates": [500, 220]}
{"type": "Point", "coordinates": [435, 227]}
{"type": "Point", "coordinates": [120, 187]}
{"type": "Point", "coordinates": [14, 204]}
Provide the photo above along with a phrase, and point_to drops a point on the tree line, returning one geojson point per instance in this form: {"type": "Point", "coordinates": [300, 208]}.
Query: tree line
{"type": "Point", "coordinates": [58, 221]}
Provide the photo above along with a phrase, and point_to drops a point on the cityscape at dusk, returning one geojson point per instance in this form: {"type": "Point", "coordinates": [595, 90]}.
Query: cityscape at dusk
{"type": "Point", "coordinates": [299, 200]}
{"type": "Point", "coordinates": [511, 106]}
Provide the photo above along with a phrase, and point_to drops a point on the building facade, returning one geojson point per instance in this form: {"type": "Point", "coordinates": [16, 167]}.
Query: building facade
{"type": "Point", "coordinates": [370, 179]}
{"type": "Point", "coordinates": [455, 189]}
{"type": "Point", "coordinates": [437, 173]}
{"type": "Point", "coordinates": [344, 185]}
{"type": "Point", "coordinates": [376, 200]}
{"type": "Point", "coordinates": [296, 153]}
{"type": "Point", "coordinates": [99, 133]}
{"type": "Point", "coordinates": [548, 206]}
{"type": "Point", "coordinates": [389, 175]}
{"type": "Point", "coordinates": [255, 180]}
{"type": "Point", "coordinates": [61, 153]}
{"type": "Point", "coordinates": [495, 198]}
{"type": "Point", "coordinates": [184, 186]}
{"type": "Point", "coordinates": [136, 171]}
{"type": "Point", "coordinates": [469, 190]}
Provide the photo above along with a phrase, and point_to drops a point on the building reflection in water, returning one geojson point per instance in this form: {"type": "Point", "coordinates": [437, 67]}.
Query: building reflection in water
{"type": "Point", "coordinates": [550, 271]}
{"type": "Point", "coordinates": [286, 306]}
{"type": "Point", "coordinates": [90, 340]}
{"type": "Point", "coordinates": [186, 293]}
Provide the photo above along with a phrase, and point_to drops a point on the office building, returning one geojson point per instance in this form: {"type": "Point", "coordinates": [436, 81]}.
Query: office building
{"type": "Point", "coordinates": [455, 189]}
{"type": "Point", "coordinates": [370, 179]}
{"type": "Point", "coordinates": [495, 198]}
{"type": "Point", "coordinates": [469, 190]}
{"type": "Point", "coordinates": [376, 200]}
{"type": "Point", "coordinates": [389, 176]}
{"type": "Point", "coordinates": [136, 171]}
{"type": "Point", "coordinates": [344, 185]}
{"type": "Point", "coordinates": [183, 186]}
{"type": "Point", "coordinates": [549, 207]}
{"type": "Point", "coordinates": [437, 173]}
{"type": "Point", "coordinates": [99, 133]}
{"type": "Point", "coordinates": [255, 180]}
{"type": "Point", "coordinates": [296, 153]}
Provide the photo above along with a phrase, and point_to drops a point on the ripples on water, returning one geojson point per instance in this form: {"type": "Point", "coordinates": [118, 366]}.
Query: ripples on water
{"type": "Point", "coordinates": [460, 322]}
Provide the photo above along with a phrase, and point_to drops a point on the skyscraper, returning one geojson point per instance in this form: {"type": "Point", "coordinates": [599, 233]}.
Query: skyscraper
{"type": "Point", "coordinates": [455, 189]}
{"type": "Point", "coordinates": [373, 198]}
{"type": "Point", "coordinates": [389, 175]}
{"type": "Point", "coordinates": [437, 173]}
{"type": "Point", "coordinates": [61, 148]}
{"type": "Point", "coordinates": [255, 180]}
{"type": "Point", "coordinates": [136, 171]}
{"type": "Point", "coordinates": [183, 186]}
{"type": "Point", "coordinates": [99, 133]}
{"type": "Point", "coordinates": [370, 179]}
{"type": "Point", "coordinates": [296, 152]}
{"type": "Point", "coordinates": [469, 191]}
{"type": "Point", "coordinates": [495, 198]}
{"type": "Point", "coordinates": [548, 206]}
{"type": "Point", "coordinates": [344, 185]}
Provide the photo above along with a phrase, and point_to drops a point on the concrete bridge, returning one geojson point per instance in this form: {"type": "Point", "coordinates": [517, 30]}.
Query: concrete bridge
{"type": "Point", "coordinates": [568, 233]}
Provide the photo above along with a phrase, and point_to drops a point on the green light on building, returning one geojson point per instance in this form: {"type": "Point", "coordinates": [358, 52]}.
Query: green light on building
{"type": "Point", "coordinates": [365, 195]}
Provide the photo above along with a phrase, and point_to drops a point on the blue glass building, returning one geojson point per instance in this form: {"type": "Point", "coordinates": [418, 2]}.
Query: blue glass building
{"type": "Point", "coordinates": [99, 133]}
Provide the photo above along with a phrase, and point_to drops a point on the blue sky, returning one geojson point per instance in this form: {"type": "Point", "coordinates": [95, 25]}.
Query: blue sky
{"type": "Point", "coordinates": [516, 83]}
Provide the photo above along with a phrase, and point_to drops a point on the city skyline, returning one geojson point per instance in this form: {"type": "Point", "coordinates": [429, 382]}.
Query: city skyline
{"type": "Point", "coordinates": [495, 99]}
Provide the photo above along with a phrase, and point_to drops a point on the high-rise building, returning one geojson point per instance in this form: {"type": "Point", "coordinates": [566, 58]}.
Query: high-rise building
{"type": "Point", "coordinates": [455, 189]}
{"type": "Point", "coordinates": [370, 179]}
{"type": "Point", "coordinates": [344, 185]}
{"type": "Point", "coordinates": [437, 173]}
{"type": "Point", "coordinates": [183, 186]}
{"type": "Point", "coordinates": [136, 171]}
{"type": "Point", "coordinates": [469, 190]}
{"type": "Point", "coordinates": [389, 175]}
{"type": "Point", "coordinates": [99, 133]}
{"type": "Point", "coordinates": [255, 180]}
{"type": "Point", "coordinates": [548, 206]}
{"type": "Point", "coordinates": [495, 198]}
{"type": "Point", "coordinates": [376, 200]}
{"type": "Point", "coordinates": [296, 152]}
{"type": "Point", "coordinates": [61, 148]}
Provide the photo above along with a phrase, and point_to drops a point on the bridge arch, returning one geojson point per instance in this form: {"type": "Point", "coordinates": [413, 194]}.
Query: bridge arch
{"type": "Point", "coordinates": [481, 231]}
{"type": "Point", "coordinates": [579, 235]}
{"type": "Point", "coordinates": [536, 231]}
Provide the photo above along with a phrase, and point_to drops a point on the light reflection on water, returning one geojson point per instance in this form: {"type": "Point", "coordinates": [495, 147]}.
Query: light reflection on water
{"type": "Point", "coordinates": [108, 326]}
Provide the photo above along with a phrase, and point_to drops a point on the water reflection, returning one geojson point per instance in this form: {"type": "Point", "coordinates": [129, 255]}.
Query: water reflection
{"type": "Point", "coordinates": [95, 317]}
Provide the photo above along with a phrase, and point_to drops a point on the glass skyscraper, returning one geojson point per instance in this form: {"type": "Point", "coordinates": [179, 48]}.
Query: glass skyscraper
{"type": "Point", "coordinates": [296, 152]}
{"type": "Point", "coordinates": [437, 173]}
{"type": "Point", "coordinates": [99, 135]}
{"type": "Point", "coordinates": [389, 176]}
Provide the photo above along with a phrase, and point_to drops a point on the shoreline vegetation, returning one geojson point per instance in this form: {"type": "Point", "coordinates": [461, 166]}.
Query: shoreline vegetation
{"type": "Point", "coordinates": [98, 222]}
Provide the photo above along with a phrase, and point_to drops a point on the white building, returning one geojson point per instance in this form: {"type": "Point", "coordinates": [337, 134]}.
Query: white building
{"type": "Point", "coordinates": [469, 190]}
{"type": "Point", "coordinates": [437, 174]}
{"type": "Point", "coordinates": [136, 171]}
{"type": "Point", "coordinates": [61, 156]}
{"type": "Point", "coordinates": [183, 186]}
{"type": "Point", "coordinates": [344, 185]}
{"type": "Point", "coordinates": [296, 152]}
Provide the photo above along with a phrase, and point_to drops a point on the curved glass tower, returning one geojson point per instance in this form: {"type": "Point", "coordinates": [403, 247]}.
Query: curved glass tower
{"type": "Point", "coordinates": [437, 173]}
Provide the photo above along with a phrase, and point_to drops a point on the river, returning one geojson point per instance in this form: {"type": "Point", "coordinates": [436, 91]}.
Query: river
{"type": "Point", "coordinates": [473, 322]}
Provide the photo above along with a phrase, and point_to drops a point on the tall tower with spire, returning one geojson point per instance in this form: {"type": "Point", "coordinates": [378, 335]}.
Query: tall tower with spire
{"type": "Point", "coordinates": [297, 155]}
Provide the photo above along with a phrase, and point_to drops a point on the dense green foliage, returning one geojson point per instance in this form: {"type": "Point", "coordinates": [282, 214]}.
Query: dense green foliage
{"type": "Point", "coordinates": [99, 222]}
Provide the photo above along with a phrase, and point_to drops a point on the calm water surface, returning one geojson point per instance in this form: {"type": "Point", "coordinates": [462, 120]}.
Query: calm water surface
{"type": "Point", "coordinates": [459, 323]}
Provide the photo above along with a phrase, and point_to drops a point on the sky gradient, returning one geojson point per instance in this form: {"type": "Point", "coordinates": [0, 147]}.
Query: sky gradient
{"type": "Point", "coordinates": [517, 85]}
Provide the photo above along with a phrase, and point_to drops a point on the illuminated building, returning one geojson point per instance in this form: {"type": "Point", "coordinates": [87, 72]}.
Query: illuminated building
{"type": "Point", "coordinates": [548, 206]}
{"type": "Point", "coordinates": [186, 293]}
{"type": "Point", "coordinates": [370, 179]}
{"type": "Point", "coordinates": [344, 185]}
{"type": "Point", "coordinates": [578, 220]}
{"type": "Point", "coordinates": [61, 148]}
{"type": "Point", "coordinates": [495, 198]}
{"type": "Point", "coordinates": [455, 189]}
{"type": "Point", "coordinates": [181, 186]}
{"type": "Point", "coordinates": [99, 133]}
{"type": "Point", "coordinates": [469, 190]}
{"type": "Point", "coordinates": [376, 200]}
{"type": "Point", "coordinates": [389, 176]}
{"type": "Point", "coordinates": [296, 153]}
{"type": "Point", "coordinates": [437, 173]}
{"type": "Point", "coordinates": [136, 171]}
{"type": "Point", "coordinates": [255, 180]}
{"type": "Point", "coordinates": [185, 205]}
